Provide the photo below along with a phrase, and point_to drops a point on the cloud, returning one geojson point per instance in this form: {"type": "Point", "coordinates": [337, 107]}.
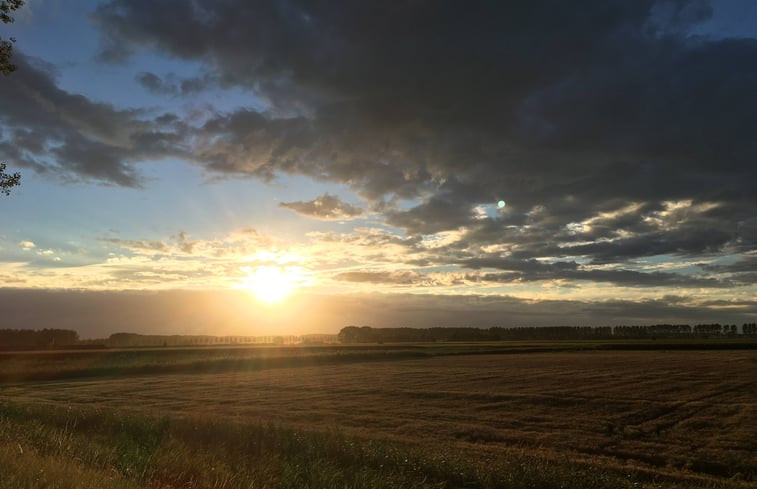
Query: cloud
{"type": "Point", "coordinates": [625, 278]}
{"type": "Point", "coordinates": [516, 274]}
{"type": "Point", "coordinates": [234, 245]}
{"type": "Point", "coordinates": [324, 207]}
{"type": "Point", "coordinates": [66, 135]}
{"type": "Point", "coordinates": [746, 263]}
{"type": "Point", "coordinates": [153, 83]}
{"type": "Point", "coordinates": [742, 271]}
{"type": "Point", "coordinates": [173, 85]}
{"type": "Point", "coordinates": [613, 134]}
{"type": "Point", "coordinates": [140, 246]}
{"type": "Point", "coordinates": [381, 277]}
{"type": "Point", "coordinates": [449, 208]}
{"type": "Point", "coordinates": [572, 111]}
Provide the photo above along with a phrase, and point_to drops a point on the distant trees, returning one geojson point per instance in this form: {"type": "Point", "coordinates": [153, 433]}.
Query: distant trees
{"type": "Point", "coordinates": [749, 329]}
{"type": "Point", "coordinates": [708, 330]}
{"type": "Point", "coordinates": [356, 334]}
{"type": "Point", "coordinates": [366, 334]}
{"type": "Point", "coordinates": [553, 333]}
{"type": "Point", "coordinates": [653, 331]}
{"type": "Point", "coordinates": [27, 339]}
{"type": "Point", "coordinates": [134, 340]}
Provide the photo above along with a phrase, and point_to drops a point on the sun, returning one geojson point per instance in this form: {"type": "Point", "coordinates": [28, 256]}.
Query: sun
{"type": "Point", "coordinates": [272, 283]}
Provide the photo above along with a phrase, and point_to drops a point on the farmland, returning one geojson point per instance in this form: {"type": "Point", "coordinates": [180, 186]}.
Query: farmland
{"type": "Point", "coordinates": [504, 415]}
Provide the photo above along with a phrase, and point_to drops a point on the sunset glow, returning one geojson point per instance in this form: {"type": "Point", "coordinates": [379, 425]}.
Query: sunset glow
{"type": "Point", "coordinates": [272, 283]}
{"type": "Point", "coordinates": [329, 161]}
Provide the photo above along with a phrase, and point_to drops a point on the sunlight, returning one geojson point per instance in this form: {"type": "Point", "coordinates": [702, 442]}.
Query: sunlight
{"type": "Point", "coordinates": [272, 283]}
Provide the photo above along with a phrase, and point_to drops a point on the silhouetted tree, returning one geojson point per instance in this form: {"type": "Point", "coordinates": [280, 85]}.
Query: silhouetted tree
{"type": "Point", "coordinates": [25, 339]}
{"type": "Point", "coordinates": [707, 330]}
{"type": "Point", "coordinates": [354, 334]}
{"type": "Point", "coordinates": [6, 47]}
{"type": "Point", "coordinates": [7, 181]}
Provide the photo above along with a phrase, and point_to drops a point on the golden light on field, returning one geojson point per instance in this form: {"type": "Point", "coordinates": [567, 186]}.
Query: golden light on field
{"type": "Point", "coordinates": [272, 283]}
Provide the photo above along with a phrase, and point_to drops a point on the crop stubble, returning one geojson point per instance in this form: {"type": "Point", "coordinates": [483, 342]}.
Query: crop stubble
{"type": "Point", "coordinates": [666, 411]}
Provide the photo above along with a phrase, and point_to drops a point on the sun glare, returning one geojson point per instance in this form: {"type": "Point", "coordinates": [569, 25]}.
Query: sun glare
{"type": "Point", "coordinates": [272, 283]}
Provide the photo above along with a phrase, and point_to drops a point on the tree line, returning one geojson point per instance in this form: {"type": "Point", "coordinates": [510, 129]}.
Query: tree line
{"type": "Point", "coordinates": [29, 339]}
{"type": "Point", "coordinates": [128, 340]}
{"type": "Point", "coordinates": [367, 334]}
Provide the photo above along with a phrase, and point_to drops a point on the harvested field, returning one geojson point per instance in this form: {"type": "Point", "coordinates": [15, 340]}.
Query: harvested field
{"type": "Point", "coordinates": [683, 415]}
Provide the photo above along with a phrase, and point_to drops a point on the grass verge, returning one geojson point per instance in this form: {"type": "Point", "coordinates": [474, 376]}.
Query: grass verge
{"type": "Point", "coordinates": [56, 447]}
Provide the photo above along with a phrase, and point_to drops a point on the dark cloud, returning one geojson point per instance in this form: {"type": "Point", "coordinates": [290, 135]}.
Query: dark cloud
{"type": "Point", "coordinates": [541, 103]}
{"type": "Point", "coordinates": [662, 311]}
{"type": "Point", "coordinates": [382, 277]}
{"type": "Point", "coordinates": [153, 83]}
{"type": "Point", "coordinates": [99, 314]}
{"type": "Point", "coordinates": [657, 243]}
{"type": "Point", "coordinates": [530, 266]}
{"type": "Point", "coordinates": [69, 136]}
{"type": "Point", "coordinates": [614, 235]}
{"type": "Point", "coordinates": [450, 207]}
{"type": "Point", "coordinates": [743, 264]}
{"type": "Point", "coordinates": [532, 271]}
{"type": "Point", "coordinates": [184, 243]}
{"type": "Point", "coordinates": [173, 85]}
{"type": "Point", "coordinates": [611, 132]}
{"type": "Point", "coordinates": [625, 278]}
{"type": "Point", "coordinates": [742, 271]}
{"type": "Point", "coordinates": [138, 245]}
{"type": "Point", "coordinates": [180, 242]}
{"type": "Point", "coordinates": [324, 207]}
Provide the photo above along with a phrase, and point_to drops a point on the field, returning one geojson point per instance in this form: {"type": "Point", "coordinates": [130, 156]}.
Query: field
{"type": "Point", "coordinates": [506, 415]}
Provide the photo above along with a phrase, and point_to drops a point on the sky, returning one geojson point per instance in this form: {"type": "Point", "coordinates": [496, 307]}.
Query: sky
{"type": "Point", "coordinates": [264, 167]}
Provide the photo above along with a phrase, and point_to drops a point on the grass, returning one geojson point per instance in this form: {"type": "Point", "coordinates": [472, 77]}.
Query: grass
{"type": "Point", "coordinates": [434, 417]}
{"type": "Point", "coordinates": [89, 448]}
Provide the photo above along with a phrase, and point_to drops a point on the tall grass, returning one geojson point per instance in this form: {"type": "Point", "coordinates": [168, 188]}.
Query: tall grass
{"type": "Point", "coordinates": [87, 448]}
